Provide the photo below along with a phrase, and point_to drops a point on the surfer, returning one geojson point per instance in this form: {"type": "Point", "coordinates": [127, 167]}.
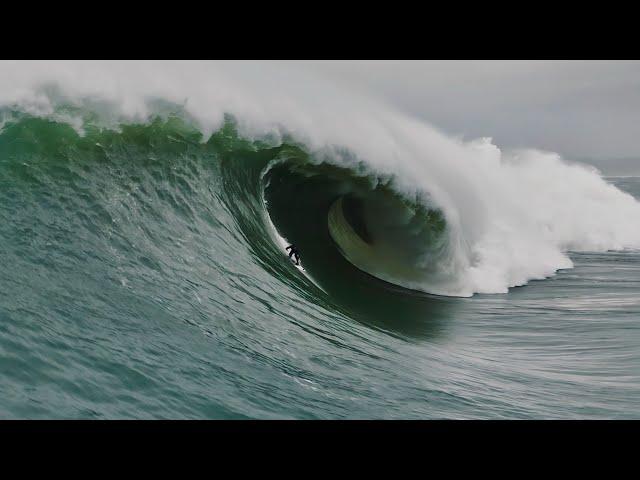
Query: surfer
{"type": "Point", "coordinates": [294, 252]}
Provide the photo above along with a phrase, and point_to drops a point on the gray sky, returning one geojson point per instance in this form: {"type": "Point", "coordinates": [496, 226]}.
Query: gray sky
{"type": "Point", "coordinates": [580, 109]}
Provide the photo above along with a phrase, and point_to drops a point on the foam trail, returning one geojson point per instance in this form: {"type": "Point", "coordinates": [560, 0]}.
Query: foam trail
{"type": "Point", "coordinates": [511, 215]}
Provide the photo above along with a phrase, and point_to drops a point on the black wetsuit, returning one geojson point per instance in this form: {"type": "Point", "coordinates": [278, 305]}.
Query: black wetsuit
{"type": "Point", "coordinates": [294, 252]}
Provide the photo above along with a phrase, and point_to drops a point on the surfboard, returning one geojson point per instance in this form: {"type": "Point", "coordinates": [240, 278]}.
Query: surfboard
{"type": "Point", "coordinates": [304, 272]}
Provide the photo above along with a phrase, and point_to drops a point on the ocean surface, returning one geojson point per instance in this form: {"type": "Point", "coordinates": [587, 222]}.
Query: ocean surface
{"type": "Point", "coordinates": [143, 274]}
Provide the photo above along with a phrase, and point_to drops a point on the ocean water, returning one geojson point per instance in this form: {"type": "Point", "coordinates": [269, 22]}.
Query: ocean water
{"type": "Point", "coordinates": [143, 273]}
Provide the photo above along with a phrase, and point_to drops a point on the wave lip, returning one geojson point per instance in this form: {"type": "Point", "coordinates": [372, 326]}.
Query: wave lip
{"type": "Point", "coordinates": [402, 245]}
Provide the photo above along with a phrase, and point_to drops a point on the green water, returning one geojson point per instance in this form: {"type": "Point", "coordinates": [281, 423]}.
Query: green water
{"type": "Point", "coordinates": [140, 279]}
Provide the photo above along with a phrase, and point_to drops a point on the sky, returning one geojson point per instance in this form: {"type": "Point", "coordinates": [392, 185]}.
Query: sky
{"type": "Point", "coordinates": [584, 110]}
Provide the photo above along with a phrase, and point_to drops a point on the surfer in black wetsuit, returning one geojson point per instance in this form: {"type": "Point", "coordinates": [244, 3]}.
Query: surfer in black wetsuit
{"type": "Point", "coordinates": [294, 252]}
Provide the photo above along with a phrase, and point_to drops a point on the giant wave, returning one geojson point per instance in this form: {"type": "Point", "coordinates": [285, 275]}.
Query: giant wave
{"type": "Point", "coordinates": [341, 174]}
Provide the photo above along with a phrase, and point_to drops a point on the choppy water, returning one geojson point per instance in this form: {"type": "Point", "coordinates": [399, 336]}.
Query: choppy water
{"type": "Point", "coordinates": [142, 278]}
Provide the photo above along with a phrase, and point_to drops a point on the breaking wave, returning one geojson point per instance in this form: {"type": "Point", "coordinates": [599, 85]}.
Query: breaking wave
{"type": "Point", "coordinates": [274, 156]}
